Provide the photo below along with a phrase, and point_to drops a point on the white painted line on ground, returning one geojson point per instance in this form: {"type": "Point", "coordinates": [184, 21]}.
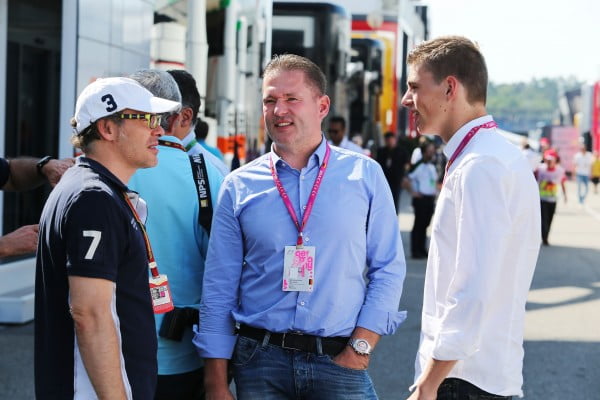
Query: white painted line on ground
{"type": "Point", "coordinates": [592, 212]}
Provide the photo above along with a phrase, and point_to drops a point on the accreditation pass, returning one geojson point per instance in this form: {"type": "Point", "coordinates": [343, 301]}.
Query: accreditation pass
{"type": "Point", "coordinates": [299, 269]}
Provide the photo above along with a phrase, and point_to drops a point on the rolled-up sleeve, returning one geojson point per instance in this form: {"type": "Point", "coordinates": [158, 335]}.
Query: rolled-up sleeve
{"type": "Point", "coordinates": [215, 336]}
{"type": "Point", "coordinates": [386, 265]}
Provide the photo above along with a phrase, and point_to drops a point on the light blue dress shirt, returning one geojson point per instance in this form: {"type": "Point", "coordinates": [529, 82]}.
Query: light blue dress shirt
{"type": "Point", "coordinates": [353, 226]}
{"type": "Point", "coordinates": [178, 241]}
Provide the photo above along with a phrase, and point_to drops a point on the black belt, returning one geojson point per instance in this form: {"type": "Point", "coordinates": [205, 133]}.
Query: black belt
{"type": "Point", "coordinates": [297, 341]}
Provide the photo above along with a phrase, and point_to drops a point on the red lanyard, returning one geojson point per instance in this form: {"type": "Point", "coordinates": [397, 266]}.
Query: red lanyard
{"type": "Point", "coordinates": [151, 261]}
{"type": "Point", "coordinates": [470, 135]}
{"type": "Point", "coordinates": [311, 197]}
{"type": "Point", "coordinates": [171, 144]}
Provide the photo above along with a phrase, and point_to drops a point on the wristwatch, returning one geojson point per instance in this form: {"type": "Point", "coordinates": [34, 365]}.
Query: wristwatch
{"type": "Point", "coordinates": [360, 346]}
{"type": "Point", "coordinates": [40, 164]}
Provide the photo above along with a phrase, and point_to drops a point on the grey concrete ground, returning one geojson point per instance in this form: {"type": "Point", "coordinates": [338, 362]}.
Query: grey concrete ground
{"type": "Point", "coordinates": [562, 337]}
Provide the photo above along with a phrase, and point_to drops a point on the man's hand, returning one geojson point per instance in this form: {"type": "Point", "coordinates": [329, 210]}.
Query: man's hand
{"type": "Point", "coordinates": [216, 386]}
{"type": "Point", "coordinates": [22, 241]}
{"type": "Point", "coordinates": [54, 169]}
{"type": "Point", "coordinates": [420, 394]}
{"type": "Point", "coordinates": [348, 358]}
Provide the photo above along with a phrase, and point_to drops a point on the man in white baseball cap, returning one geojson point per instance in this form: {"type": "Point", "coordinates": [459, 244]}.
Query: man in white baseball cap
{"type": "Point", "coordinates": [94, 334]}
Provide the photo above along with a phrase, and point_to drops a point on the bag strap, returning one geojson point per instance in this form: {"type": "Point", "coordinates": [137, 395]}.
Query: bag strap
{"type": "Point", "coordinates": [203, 190]}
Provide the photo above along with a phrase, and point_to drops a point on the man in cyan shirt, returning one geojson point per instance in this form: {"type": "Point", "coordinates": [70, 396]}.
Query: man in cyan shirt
{"type": "Point", "coordinates": [295, 231]}
{"type": "Point", "coordinates": [485, 233]}
{"type": "Point", "coordinates": [179, 240]}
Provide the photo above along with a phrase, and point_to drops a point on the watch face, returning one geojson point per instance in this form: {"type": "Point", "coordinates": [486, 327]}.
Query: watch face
{"type": "Point", "coordinates": [362, 346]}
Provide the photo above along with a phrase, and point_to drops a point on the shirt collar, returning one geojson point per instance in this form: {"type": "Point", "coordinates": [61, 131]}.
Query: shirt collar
{"type": "Point", "coordinates": [101, 170]}
{"type": "Point", "coordinates": [318, 155]}
{"type": "Point", "coordinates": [455, 140]}
{"type": "Point", "coordinates": [188, 138]}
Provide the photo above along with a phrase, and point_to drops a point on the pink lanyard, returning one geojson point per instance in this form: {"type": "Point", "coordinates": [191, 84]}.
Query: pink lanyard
{"type": "Point", "coordinates": [470, 135]}
{"type": "Point", "coordinates": [311, 197]}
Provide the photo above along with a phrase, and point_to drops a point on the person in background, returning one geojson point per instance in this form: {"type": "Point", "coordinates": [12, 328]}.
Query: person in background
{"type": "Point", "coordinates": [21, 174]}
{"type": "Point", "coordinates": [422, 185]}
{"type": "Point", "coordinates": [533, 157]}
{"type": "Point", "coordinates": [173, 224]}
{"type": "Point", "coordinates": [416, 154]}
{"type": "Point", "coordinates": [94, 322]}
{"type": "Point", "coordinates": [189, 116]}
{"type": "Point", "coordinates": [357, 139]}
{"type": "Point", "coordinates": [485, 236]}
{"type": "Point", "coordinates": [595, 172]}
{"type": "Point", "coordinates": [288, 264]}
{"type": "Point", "coordinates": [583, 161]}
{"type": "Point", "coordinates": [338, 136]}
{"type": "Point", "coordinates": [393, 160]}
{"type": "Point", "coordinates": [550, 175]}
{"type": "Point", "coordinates": [201, 130]}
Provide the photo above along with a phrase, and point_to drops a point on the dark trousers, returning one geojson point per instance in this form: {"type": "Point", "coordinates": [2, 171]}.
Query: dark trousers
{"type": "Point", "coordinates": [423, 207]}
{"type": "Point", "coordinates": [548, 209]}
{"type": "Point", "coordinates": [189, 385]}
{"type": "Point", "coordinates": [457, 389]}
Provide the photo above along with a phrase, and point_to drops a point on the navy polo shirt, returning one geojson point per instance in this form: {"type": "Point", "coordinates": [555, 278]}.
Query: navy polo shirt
{"type": "Point", "coordinates": [87, 229]}
{"type": "Point", "coordinates": [4, 171]}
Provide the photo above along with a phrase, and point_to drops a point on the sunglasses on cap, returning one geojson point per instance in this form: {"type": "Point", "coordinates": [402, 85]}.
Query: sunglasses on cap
{"type": "Point", "coordinates": [153, 120]}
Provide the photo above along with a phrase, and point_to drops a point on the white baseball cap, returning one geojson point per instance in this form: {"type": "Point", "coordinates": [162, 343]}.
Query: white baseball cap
{"type": "Point", "coordinates": [107, 96]}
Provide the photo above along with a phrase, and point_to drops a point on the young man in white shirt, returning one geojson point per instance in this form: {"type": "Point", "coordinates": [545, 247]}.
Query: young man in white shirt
{"type": "Point", "coordinates": [485, 233]}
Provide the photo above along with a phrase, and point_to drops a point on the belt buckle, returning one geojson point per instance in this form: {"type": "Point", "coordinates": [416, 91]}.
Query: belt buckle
{"type": "Point", "coordinates": [283, 346]}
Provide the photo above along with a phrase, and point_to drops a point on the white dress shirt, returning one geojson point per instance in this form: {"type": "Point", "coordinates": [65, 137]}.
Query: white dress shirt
{"type": "Point", "coordinates": [484, 246]}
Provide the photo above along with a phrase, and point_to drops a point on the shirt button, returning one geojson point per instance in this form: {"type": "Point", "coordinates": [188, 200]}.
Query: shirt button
{"type": "Point", "coordinates": [304, 207]}
{"type": "Point", "coordinates": [301, 303]}
{"type": "Point", "coordinates": [302, 177]}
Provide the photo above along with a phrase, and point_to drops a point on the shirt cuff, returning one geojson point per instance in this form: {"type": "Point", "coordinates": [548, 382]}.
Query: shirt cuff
{"type": "Point", "coordinates": [380, 321]}
{"type": "Point", "coordinates": [214, 345]}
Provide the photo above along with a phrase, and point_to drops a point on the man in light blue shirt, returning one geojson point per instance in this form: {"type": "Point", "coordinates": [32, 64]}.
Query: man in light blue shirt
{"type": "Point", "coordinates": [178, 241]}
{"type": "Point", "coordinates": [300, 299]}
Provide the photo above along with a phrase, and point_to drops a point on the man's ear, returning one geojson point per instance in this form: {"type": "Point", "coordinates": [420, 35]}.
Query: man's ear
{"type": "Point", "coordinates": [451, 86]}
{"type": "Point", "coordinates": [324, 103]}
{"type": "Point", "coordinates": [107, 129]}
{"type": "Point", "coordinates": [185, 117]}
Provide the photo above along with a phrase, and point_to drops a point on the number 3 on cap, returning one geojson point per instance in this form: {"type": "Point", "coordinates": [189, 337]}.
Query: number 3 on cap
{"type": "Point", "coordinates": [110, 102]}
{"type": "Point", "coordinates": [96, 236]}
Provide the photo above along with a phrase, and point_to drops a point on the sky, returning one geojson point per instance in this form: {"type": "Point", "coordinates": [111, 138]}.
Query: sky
{"type": "Point", "coordinates": [525, 39]}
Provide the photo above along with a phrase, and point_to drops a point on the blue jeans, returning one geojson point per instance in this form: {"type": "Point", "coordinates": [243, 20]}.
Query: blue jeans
{"type": "Point", "coordinates": [582, 187]}
{"type": "Point", "coordinates": [263, 371]}
{"type": "Point", "coordinates": [457, 389]}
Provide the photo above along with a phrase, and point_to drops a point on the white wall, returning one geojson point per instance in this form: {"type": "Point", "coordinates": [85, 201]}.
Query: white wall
{"type": "Point", "coordinates": [112, 39]}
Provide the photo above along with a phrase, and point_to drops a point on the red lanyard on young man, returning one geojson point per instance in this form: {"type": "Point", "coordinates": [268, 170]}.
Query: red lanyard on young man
{"type": "Point", "coordinates": [311, 197]}
{"type": "Point", "coordinates": [465, 141]}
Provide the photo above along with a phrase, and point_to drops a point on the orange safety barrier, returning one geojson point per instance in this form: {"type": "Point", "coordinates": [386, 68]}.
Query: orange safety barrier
{"type": "Point", "coordinates": [227, 145]}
